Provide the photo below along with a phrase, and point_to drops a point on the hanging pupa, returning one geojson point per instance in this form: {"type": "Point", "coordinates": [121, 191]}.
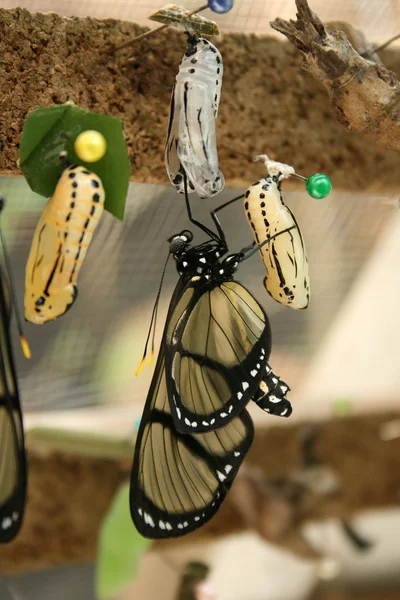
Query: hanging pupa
{"type": "Point", "coordinates": [285, 258]}
{"type": "Point", "coordinates": [191, 146]}
{"type": "Point", "coordinates": [60, 243]}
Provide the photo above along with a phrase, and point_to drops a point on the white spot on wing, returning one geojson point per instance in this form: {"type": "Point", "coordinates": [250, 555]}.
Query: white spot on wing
{"type": "Point", "coordinates": [178, 413]}
{"type": "Point", "coordinates": [221, 476]}
{"type": "Point", "coordinates": [253, 373]}
{"type": "Point", "coordinates": [6, 523]}
{"type": "Point", "coordinates": [274, 399]}
{"type": "Point", "coordinates": [239, 395]}
{"type": "Point", "coordinates": [245, 385]}
{"type": "Point", "coordinates": [228, 468]}
{"type": "Point", "coordinates": [148, 520]}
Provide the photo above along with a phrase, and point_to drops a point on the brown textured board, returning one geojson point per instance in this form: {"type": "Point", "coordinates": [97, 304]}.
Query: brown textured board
{"type": "Point", "coordinates": [69, 495]}
{"type": "Point", "coordinates": [269, 104]}
{"type": "Point", "coordinates": [67, 499]}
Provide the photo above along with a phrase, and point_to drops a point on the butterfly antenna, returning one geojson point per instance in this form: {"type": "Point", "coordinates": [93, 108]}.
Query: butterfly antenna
{"type": "Point", "coordinates": [24, 342]}
{"type": "Point", "coordinates": [152, 328]}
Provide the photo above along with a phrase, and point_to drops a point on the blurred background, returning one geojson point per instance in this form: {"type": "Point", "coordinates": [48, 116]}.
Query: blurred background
{"type": "Point", "coordinates": [342, 354]}
{"type": "Point", "coordinates": [378, 19]}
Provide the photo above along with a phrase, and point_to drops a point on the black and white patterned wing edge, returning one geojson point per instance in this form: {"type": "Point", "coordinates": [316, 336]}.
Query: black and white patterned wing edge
{"type": "Point", "coordinates": [243, 378]}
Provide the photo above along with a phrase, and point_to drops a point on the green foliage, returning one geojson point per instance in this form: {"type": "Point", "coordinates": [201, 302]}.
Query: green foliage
{"type": "Point", "coordinates": [342, 407]}
{"type": "Point", "coordinates": [120, 547]}
{"type": "Point", "coordinates": [49, 131]}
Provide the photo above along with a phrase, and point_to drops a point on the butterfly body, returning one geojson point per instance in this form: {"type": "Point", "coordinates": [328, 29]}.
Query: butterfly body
{"type": "Point", "coordinates": [12, 449]}
{"type": "Point", "coordinates": [60, 243]}
{"type": "Point", "coordinates": [191, 146]}
{"type": "Point", "coordinates": [285, 257]}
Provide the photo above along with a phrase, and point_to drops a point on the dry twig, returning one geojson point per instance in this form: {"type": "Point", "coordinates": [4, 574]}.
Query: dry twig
{"type": "Point", "coordinates": [364, 95]}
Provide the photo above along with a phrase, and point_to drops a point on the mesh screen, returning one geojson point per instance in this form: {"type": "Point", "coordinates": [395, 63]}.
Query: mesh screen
{"type": "Point", "coordinates": [89, 355]}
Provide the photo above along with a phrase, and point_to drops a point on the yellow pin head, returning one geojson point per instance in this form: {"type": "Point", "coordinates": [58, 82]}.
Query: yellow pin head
{"type": "Point", "coordinates": [90, 146]}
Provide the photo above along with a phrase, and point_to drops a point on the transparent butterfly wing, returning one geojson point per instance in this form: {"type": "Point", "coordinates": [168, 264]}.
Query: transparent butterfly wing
{"type": "Point", "coordinates": [178, 481]}
{"type": "Point", "coordinates": [218, 343]}
{"type": "Point", "coordinates": [12, 448]}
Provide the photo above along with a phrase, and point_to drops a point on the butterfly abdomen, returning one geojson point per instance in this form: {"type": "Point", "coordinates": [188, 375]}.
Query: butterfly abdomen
{"type": "Point", "coordinates": [60, 243]}
{"type": "Point", "coordinates": [285, 257]}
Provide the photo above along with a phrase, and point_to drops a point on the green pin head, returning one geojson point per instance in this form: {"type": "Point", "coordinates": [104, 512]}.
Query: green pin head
{"type": "Point", "coordinates": [319, 186]}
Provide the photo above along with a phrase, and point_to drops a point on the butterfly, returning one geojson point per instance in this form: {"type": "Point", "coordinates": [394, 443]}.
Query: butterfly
{"type": "Point", "coordinates": [12, 448]}
{"type": "Point", "coordinates": [13, 470]}
{"type": "Point", "coordinates": [191, 148]}
{"type": "Point", "coordinates": [60, 243]}
{"type": "Point", "coordinates": [195, 430]}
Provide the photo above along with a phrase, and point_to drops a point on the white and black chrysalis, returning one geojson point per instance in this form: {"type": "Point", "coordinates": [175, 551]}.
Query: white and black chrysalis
{"type": "Point", "coordinates": [191, 143]}
{"type": "Point", "coordinates": [285, 258]}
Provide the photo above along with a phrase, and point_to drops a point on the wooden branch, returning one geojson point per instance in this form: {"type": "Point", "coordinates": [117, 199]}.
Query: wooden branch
{"type": "Point", "coordinates": [268, 103]}
{"type": "Point", "coordinates": [357, 39]}
{"type": "Point", "coordinates": [364, 95]}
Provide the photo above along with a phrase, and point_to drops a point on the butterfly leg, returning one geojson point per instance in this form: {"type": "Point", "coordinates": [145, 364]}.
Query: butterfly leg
{"type": "Point", "coordinates": [271, 395]}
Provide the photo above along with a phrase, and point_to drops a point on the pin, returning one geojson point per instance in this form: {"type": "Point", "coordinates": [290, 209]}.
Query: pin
{"type": "Point", "coordinates": [318, 185]}
{"type": "Point", "coordinates": [217, 6]}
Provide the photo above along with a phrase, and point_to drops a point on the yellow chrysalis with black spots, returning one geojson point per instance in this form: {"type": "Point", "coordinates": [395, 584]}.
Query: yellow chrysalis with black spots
{"type": "Point", "coordinates": [285, 257]}
{"type": "Point", "coordinates": [60, 243]}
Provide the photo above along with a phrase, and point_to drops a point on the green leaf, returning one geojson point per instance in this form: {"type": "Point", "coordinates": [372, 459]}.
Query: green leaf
{"type": "Point", "coordinates": [120, 547]}
{"type": "Point", "coordinates": [49, 131]}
